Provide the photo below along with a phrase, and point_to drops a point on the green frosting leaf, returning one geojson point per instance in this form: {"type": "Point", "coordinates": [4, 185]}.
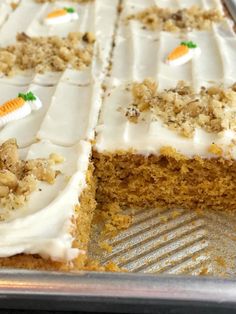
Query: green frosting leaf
{"type": "Point", "coordinates": [28, 96]}
{"type": "Point", "coordinates": [189, 44]}
{"type": "Point", "coordinates": [70, 10]}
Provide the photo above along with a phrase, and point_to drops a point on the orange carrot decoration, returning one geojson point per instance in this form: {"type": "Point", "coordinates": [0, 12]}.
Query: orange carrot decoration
{"type": "Point", "coordinates": [56, 13]}
{"type": "Point", "coordinates": [11, 105]}
{"type": "Point", "coordinates": [183, 53]}
{"type": "Point", "coordinates": [178, 52]}
{"type": "Point", "coordinates": [19, 107]}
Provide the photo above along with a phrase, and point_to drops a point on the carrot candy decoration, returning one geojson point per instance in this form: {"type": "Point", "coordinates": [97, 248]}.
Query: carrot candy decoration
{"type": "Point", "coordinates": [183, 53]}
{"type": "Point", "coordinates": [18, 107]}
{"type": "Point", "coordinates": [60, 16]}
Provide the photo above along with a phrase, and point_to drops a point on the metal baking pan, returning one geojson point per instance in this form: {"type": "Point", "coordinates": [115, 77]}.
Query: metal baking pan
{"type": "Point", "coordinates": [117, 293]}
{"type": "Point", "coordinates": [172, 257]}
{"type": "Point", "coordinates": [164, 251]}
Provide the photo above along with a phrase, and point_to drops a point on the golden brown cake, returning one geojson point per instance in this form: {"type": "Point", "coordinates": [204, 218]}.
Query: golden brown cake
{"type": "Point", "coordinates": [161, 75]}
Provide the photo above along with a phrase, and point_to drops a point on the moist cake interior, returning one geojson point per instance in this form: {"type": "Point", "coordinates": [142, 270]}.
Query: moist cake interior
{"type": "Point", "coordinates": [124, 102]}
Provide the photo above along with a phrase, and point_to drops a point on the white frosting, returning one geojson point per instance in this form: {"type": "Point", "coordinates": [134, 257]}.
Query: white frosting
{"type": "Point", "coordinates": [72, 114]}
{"type": "Point", "coordinates": [69, 114]}
{"type": "Point", "coordinates": [148, 136]}
{"type": "Point", "coordinates": [98, 17]}
{"type": "Point", "coordinates": [5, 10]}
{"type": "Point", "coordinates": [217, 48]}
{"type": "Point", "coordinates": [25, 130]}
{"type": "Point", "coordinates": [44, 225]}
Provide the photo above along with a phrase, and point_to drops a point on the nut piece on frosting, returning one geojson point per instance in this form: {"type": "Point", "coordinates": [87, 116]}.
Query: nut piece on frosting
{"type": "Point", "coordinates": [43, 54]}
{"type": "Point", "coordinates": [18, 178]}
{"type": "Point", "coordinates": [183, 110]}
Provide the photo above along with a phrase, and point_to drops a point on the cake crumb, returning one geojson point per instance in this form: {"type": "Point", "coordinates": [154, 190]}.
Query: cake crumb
{"type": "Point", "coordinates": [56, 158]}
{"type": "Point", "coordinates": [105, 246]}
{"type": "Point", "coordinates": [114, 220]}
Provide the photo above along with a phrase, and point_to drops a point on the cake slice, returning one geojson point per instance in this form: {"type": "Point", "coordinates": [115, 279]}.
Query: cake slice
{"type": "Point", "coordinates": [167, 147]}
{"type": "Point", "coordinates": [47, 203]}
{"type": "Point", "coordinates": [166, 133]}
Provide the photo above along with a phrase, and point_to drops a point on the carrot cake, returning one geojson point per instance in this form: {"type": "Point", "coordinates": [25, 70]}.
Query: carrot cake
{"type": "Point", "coordinates": [166, 133]}
{"type": "Point", "coordinates": [50, 102]}
{"type": "Point", "coordinates": [123, 101]}
{"type": "Point", "coordinates": [47, 203]}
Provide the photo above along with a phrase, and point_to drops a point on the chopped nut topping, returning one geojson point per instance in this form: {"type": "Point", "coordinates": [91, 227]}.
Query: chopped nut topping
{"type": "Point", "coordinates": [171, 20]}
{"type": "Point", "coordinates": [89, 38]}
{"type": "Point", "coordinates": [181, 109]}
{"type": "Point", "coordinates": [47, 53]}
{"type": "Point", "coordinates": [57, 159]}
{"type": "Point", "coordinates": [18, 178]}
{"type": "Point", "coordinates": [132, 113]}
{"type": "Point", "coordinates": [215, 149]}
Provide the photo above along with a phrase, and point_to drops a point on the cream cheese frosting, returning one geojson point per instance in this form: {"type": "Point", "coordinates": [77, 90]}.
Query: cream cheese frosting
{"type": "Point", "coordinates": [72, 114]}
{"type": "Point", "coordinates": [5, 10]}
{"type": "Point", "coordinates": [69, 114]}
{"type": "Point", "coordinates": [145, 52]}
{"type": "Point", "coordinates": [149, 135]}
{"type": "Point", "coordinates": [44, 225]}
{"type": "Point", "coordinates": [217, 47]}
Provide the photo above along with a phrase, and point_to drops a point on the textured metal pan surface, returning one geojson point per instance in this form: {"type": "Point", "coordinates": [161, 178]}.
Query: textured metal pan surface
{"type": "Point", "coordinates": [173, 241]}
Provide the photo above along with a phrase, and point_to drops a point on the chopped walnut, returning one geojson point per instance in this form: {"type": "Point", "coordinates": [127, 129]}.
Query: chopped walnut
{"type": "Point", "coordinates": [89, 38]}
{"type": "Point", "coordinates": [47, 53]}
{"type": "Point", "coordinates": [215, 149]}
{"type": "Point", "coordinates": [181, 109]}
{"type": "Point", "coordinates": [171, 20]}
{"type": "Point", "coordinates": [132, 113]}
{"type": "Point", "coordinates": [55, 158]}
{"type": "Point", "coordinates": [41, 169]}
{"type": "Point", "coordinates": [18, 178]}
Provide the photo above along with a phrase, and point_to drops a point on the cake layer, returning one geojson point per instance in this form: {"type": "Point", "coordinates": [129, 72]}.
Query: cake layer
{"type": "Point", "coordinates": [97, 17]}
{"type": "Point", "coordinates": [45, 224]}
{"type": "Point", "coordinates": [68, 114]}
{"type": "Point", "coordinates": [170, 179]}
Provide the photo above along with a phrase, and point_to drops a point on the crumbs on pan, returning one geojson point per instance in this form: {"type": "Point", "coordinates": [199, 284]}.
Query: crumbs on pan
{"type": "Point", "coordinates": [181, 109]}
{"type": "Point", "coordinates": [47, 53]}
{"type": "Point", "coordinates": [177, 20]}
